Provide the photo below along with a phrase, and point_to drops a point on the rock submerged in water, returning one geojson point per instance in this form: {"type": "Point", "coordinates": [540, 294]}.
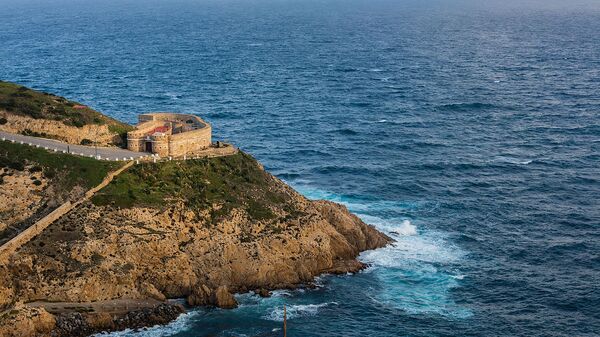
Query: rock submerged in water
{"type": "Point", "coordinates": [262, 292]}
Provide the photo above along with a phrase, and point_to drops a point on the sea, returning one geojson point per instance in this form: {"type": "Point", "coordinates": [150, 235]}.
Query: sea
{"type": "Point", "coordinates": [467, 130]}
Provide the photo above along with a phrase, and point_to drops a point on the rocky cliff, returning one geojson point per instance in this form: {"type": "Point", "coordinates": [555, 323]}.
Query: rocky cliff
{"type": "Point", "coordinates": [197, 229]}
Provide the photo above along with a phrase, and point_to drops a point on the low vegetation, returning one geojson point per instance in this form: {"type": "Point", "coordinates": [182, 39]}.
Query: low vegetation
{"type": "Point", "coordinates": [66, 170]}
{"type": "Point", "coordinates": [20, 100]}
{"type": "Point", "coordinates": [215, 184]}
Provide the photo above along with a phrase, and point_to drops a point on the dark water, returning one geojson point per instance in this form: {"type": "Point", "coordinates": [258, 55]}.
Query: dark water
{"type": "Point", "coordinates": [469, 131]}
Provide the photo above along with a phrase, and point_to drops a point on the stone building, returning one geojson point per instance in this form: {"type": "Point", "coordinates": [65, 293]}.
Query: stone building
{"type": "Point", "coordinates": [169, 134]}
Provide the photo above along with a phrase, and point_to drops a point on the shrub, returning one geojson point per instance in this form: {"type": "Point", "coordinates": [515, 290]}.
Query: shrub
{"type": "Point", "coordinates": [86, 141]}
{"type": "Point", "coordinates": [37, 182]}
{"type": "Point", "coordinates": [16, 166]}
{"type": "Point", "coordinates": [49, 173]}
{"type": "Point", "coordinates": [35, 168]}
{"type": "Point", "coordinates": [3, 120]}
{"type": "Point", "coordinates": [77, 123]}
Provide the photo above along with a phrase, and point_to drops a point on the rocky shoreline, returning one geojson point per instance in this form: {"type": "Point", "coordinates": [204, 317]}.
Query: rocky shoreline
{"type": "Point", "coordinates": [82, 325]}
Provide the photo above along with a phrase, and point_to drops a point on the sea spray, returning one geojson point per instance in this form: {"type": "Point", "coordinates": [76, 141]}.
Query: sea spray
{"type": "Point", "coordinates": [417, 271]}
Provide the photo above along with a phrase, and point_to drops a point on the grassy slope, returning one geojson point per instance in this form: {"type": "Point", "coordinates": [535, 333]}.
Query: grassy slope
{"type": "Point", "coordinates": [235, 181]}
{"type": "Point", "coordinates": [19, 100]}
{"type": "Point", "coordinates": [66, 171]}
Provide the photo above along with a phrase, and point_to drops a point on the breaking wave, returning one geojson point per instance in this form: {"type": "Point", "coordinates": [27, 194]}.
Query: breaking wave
{"type": "Point", "coordinates": [418, 270]}
{"type": "Point", "coordinates": [296, 311]}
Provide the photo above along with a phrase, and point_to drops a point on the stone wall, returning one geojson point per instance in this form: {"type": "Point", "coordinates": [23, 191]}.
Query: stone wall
{"type": "Point", "coordinates": [136, 140]}
{"type": "Point", "coordinates": [190, 142]}
{"type": "Point", "coordinates": [160, 145]}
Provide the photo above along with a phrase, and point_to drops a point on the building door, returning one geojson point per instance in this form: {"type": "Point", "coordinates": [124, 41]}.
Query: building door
{"type": "Point", "coordinates": [149, 147]}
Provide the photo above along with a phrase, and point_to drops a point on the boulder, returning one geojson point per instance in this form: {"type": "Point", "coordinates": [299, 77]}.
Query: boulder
{"type": "Point", "coordinates": [201, 295]}
{"type": "Point", "coordinates": [262, 292]}
{"type": "Point", "coordinates": [222, 298]}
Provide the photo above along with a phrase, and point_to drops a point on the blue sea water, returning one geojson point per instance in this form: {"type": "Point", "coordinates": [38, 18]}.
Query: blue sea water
{"type": "Point", "coordinates": [467, 130]}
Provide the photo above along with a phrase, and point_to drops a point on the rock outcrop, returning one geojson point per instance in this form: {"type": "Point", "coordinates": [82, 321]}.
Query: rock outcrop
{"type": "Point", "coordinates": [222, 298]}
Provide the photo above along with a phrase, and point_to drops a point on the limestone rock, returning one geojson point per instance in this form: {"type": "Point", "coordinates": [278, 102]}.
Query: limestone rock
{"type": "Point", "coordinates": [26, 322]}
{"type": "Point", "coordinates": [150, 290]}
{"type": "Point", "coordinates": [222, 298]}
{"type": "Point", "coordinates": [200, 295]}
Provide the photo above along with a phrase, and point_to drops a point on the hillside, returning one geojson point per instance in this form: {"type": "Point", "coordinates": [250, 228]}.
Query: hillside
{"type": "Point", "coordinates": [198, 229]}
{"type": "Point", "coordinates": [34, 181]}
{"type": "Point", "coordinates": [35, 113]}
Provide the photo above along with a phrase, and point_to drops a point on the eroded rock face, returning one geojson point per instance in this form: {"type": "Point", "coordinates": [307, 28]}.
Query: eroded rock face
{"type": "Point", "coordinates": [27, 322]}
{"type": "Point", "coordinates": [101, 253]}
{"type": "Point", "coordinates": [200, 296]}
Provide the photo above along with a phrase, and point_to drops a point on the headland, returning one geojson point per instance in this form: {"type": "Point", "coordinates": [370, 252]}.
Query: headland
{"type": "Point", "coordinates": [139, 234]}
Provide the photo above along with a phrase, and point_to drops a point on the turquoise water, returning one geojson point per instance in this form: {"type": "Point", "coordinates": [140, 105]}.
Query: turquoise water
{"type": "Point", "coordinates": [467, 131]}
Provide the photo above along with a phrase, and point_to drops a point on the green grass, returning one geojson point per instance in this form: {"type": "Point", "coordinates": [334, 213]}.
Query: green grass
{"type": "Point", "coordinates": [19, 100]}
{"type": "Point", "coordinates": [235, 181]}
{"type": "Point", "coordinates": [67, 170]}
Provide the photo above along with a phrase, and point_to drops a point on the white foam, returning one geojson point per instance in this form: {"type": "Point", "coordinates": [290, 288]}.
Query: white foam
{"type": "Point", "coordinates": [406, 228]}
{"type": "Point", "coordinates": [182, 323]}
{"type": "Point", "coordinates": [513, 160]}
{"type": "Point", "coordinates": [295, 311]}
{"type": "Point", "coordinates": [173, 95]}
{"type": "Point", "coordinates": [428, 247]}
{"type": "Point", "coordinates": [416, 272]}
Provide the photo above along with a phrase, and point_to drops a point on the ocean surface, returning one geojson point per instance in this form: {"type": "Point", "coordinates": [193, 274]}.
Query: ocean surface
{"type": "Point", "coordinates": [469, 131]}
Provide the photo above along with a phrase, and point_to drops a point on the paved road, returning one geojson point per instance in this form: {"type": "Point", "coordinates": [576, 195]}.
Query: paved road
{"type": "Point", "coordinates": [105, 153]}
